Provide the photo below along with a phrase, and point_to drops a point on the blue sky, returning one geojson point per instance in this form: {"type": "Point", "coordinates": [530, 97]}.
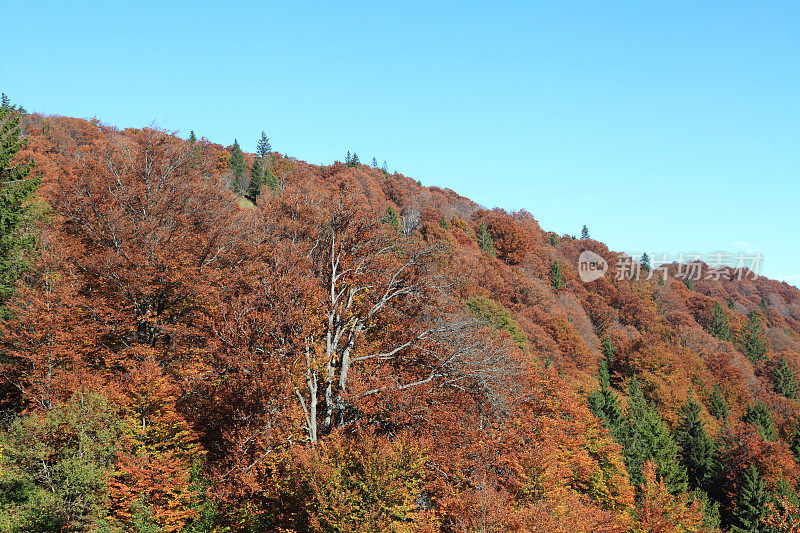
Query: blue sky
{"type": "Point", "coordinates": [666, 127]}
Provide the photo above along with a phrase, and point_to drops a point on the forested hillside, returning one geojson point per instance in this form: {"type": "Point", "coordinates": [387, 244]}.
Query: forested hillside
{"type": "Point", "coordinates": [194, 339]}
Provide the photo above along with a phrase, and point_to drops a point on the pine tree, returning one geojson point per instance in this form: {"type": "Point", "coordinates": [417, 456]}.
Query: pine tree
{"type": "Point", "coordinates": [17, 188]}
{"type": "Point", "coordinates": [758, 415]}
{"type": "Point", "coordinates": [764, 303]}
{"type": "Point", "coordinates": [689, 283]}
{"type": "Point", "coordinates": [348, 158]}
{"type": "Point", "coordinates": [192, 137]}
{"type": "Point", "coordinates": [697, 449]}
{"type": "Point", "coordinates": [603, 402]}
{"type": "Point", "coordinates": [754, 343]}
{"type": "Point", "coordinates": [717, 406]}
{"type": "Point", "coordinates": [783, 379]}
{"type": "Point", "coordinates": [645, 262]}
{"type": "Point", "coordinates": [385, 168]}
{"type": "Point", "coordinates": [608, 349]}
{"type": "Point", "coordinates": [750, 503]}
{"type": "Point", "coordinates": [391, 218]}
{"type": "Point", "coordinates": [584, 232]}
{"type": "Point", "coordinates": [644, 436]}
{"type": "Point", "coordinates": [556, 278]}
{"type": "Point", "coordinates": [374, 163]}
{"type": "Point", "coordinates": [264, 148]}
{"type": "Point", "coordinates": [444, 223]}
{"type": "Point", "coordinates": [795, 443]}
{"type": "Point", "coordinates": [485, 242]}
{"type": "Point", "coordinates": [717, 323]}
{"type": "Point", "coordinates": [731, 303]}
{"type": "Point", "coordinates": [256, 175]}
{"type": "Point", "coordinates": [553, 239]}
{"type": "Point", "coordinates": [238, 167]}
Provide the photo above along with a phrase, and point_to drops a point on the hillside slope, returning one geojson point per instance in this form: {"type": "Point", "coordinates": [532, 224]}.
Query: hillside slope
{"type": "Point", "coordinates": [358, 352]}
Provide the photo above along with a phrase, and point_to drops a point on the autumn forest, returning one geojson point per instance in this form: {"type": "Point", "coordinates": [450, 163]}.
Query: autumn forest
{"type": "Point", "coordinates": [198, 339]}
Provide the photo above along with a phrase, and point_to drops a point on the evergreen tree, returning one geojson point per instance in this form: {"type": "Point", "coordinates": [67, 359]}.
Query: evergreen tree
{"type": "Point", "coordinates": [644, 436]}
{"type": "Point", "coordinates": [754, 343]}
{"type": "Point", "coordinates": [238, 167]}
{"type": "Point", "coordinates": [443, 222]}
{"type": "Point", "coordinates": [256, 175]}
{"type": "Point", "coordinates": [645, 262]}
{"type": "Point", "coordinates": [608, 349]}
{"type": "Point", "coordinates": [758, 415]}
{"type": "Point", "coordinates": [731, 303]}
{"type": "Point", "coordinates": [750, 503]}
{"type": "Point", "coordinates": [353, 162]}
{"type": "Point", "coordinates": [556, 278]}
{"type": "Point", "coordinates": [348, 158]}
{"type": "Point", "coordinates": [717, 323]}
{"type": "Point", "coordinates": [795, 443]}
{"type": "Point", "coordinates": [264, 148]}
{"type": "Point", "coordinates": [391, 218]}
{"type": "Point", "coordinates": [764, 304]}
{"type": "Point", "coordinates": [717, 406]}
{"type": "Point", "coordinates": [17, 188]}
{"type": "Point", "coordinates": [553, 239]}
{"type": "Point", "coordinates": [603, 402]}
{"type": "Point", "coordinates": [485, 242]}
{"type": "Point", "coordinates": [697, 449]}
{"type": "Point", "coordinates": [374, 163]}
{"type": "Point", "coordinates": [584, 232]}
{"type": "Point", "coordinates": [385, 168]}
{"type": "Point", "coordinates": [192, 137]}
{"type": "Point", "coordinates": [689, 283]}
{"type": "Point", "coordinates": [783, 379]}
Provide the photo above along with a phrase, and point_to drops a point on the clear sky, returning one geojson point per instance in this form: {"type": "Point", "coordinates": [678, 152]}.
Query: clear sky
{"type": "Point", "coordinates": [666, 127]}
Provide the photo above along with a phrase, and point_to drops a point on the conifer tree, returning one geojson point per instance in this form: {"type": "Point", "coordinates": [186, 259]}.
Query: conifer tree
{"type": "Point", "coordinates": [553, 239]}
{"type": "Point", "coordinates": [391, 218]}
{"type": "Point", "coordinates": [374, 163]}
{"type": "Point", "coordinates": [485, 242]}
{"type": "Point", "coordinates": [192, 137]}
{"type": "Point", "coordinates": [697, 449]}
{"type": "Point", "coordinates": [348, 158]}
{"type": "Point", "coordinates": [717, 323]}
{"type": "Point", "coordinates": [444, 223]}
{"type": "Point", "coordinates": [731, 303]}
{"type": "Point", "coordinates": [584, 232]}
{"type": "Point", "coordinates": [604, 403]}
{"type": "Point", "coordinates": [238, 167]}
{"type": "Point", "coordinates": [644, 436]}
{"type": "Point", "coordinates": [750, 503]}
{"type": "Point", "coordinates": [717, 406]}
{"type": "Point", "coordinates": [556, 278]}
{"type": "Point", "coordinates": [758, 415]}
{"type": "Point", "coordinates": [264, 148]}
{"type": "Point", "coordinates": [17, 187]}
{"type": "Point", "coordinates": [645, 262]}
{"type": "Point", "coordinates": [795, 442]}
{"type": "Point", "coordinates": [689, 283]}
{"type": "Point", "coordinates": [385, 168]}
{"type": "Point", "coordinates": [784, 380]}
{"type": "Point", "coordinates": [256, 175]}
{"type": "Point", "coordinates": [754, 343]}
